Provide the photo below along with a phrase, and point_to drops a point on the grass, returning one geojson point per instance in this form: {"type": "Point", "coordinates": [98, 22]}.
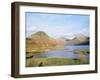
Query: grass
{"type": "Point", "coordinates": [37, 62]}
{"type": "Point", "coordinates": [82, 52]}
{"type": "Point", "coordinates": [34, 62]}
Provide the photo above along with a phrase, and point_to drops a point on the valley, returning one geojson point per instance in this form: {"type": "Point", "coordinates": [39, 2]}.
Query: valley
{"type": "Point", "coordinates": [41, 49]}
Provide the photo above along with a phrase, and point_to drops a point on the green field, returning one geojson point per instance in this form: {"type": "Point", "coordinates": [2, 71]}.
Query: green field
{"type": "Point", "coordinates": [84, 51]}
{"type": "Point", "coordinates": [34, 62]}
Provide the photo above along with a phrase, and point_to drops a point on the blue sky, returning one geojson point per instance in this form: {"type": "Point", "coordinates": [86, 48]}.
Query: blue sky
{"type": "Point", "coordinates": [57, 25]}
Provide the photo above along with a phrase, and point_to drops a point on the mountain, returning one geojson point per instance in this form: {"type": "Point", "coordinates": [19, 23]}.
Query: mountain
{"type": "Point", "coordinates": [40, 34]}
{"type": "Point", "coordinates": [78, 40]}
{"type": "Point", "coordinates": [40, 41]}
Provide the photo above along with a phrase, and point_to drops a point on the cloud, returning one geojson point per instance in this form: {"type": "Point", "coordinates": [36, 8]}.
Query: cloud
{"type": "Point", "coordinates": [69, 35]}
{"type": "Point", "coordinates": [84, 32]}
{"type": "Point", "coordinates": [32, 28]}
{"type": "Point", "coordinates": [72, 35]}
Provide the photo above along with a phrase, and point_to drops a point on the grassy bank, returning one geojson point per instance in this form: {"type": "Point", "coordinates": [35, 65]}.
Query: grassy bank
{"type": "Point", "coordinates": [82, 51]}
{"type": "Point", "coordinates": [34, 62]}
{"type": "Point", "coordinates": [36, 50]}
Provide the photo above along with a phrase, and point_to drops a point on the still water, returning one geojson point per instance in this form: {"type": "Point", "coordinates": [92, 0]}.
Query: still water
{"type": "Point", "coordinates": [68, 52]}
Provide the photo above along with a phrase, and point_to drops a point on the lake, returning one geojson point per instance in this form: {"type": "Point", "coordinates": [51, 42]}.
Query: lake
{"type": "Point", "coordinates": [68, 52]}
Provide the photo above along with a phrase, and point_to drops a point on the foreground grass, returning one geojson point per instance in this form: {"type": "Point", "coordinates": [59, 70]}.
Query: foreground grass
{"type": "Point", "coordinates": [34, 62]}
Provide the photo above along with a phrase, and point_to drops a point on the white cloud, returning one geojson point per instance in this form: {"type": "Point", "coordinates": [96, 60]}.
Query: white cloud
{"type": "Point", "coordinates": [69, 35]}
{"type": "Point", "coordinates": [84, 32]}
{"type": "Point", "coordinates": [32, 28]}
{"type": "Point", "coordinates": [73, 35]}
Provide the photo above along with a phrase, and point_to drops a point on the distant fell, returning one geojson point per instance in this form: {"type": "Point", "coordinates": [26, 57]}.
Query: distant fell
{"type": "Point", "coordinates": [40, 41]}
{"type": "Point", "coordinates": [78, 40]}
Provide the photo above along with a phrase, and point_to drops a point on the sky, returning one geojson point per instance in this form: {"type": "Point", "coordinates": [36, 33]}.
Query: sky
{"type": "Point", "coordinates": [57, 25]}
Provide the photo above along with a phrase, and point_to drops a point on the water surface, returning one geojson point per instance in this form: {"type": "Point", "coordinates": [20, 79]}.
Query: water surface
{"type": "Point", "coordinates": [68, 52]}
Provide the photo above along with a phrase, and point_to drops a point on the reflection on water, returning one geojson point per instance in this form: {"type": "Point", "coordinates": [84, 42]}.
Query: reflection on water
{"type": "Point", "coordinates": [68, 52]}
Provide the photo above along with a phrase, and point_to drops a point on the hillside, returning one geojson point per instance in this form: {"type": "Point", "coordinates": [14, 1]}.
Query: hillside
{"type": "Point", "coordinates": [78, 40]}
{"type": "Point", "coordinates": [41, 42]}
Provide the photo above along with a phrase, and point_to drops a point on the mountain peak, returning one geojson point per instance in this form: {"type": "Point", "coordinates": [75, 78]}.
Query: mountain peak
{"type": "Point", "coordinates": [39, 34]}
